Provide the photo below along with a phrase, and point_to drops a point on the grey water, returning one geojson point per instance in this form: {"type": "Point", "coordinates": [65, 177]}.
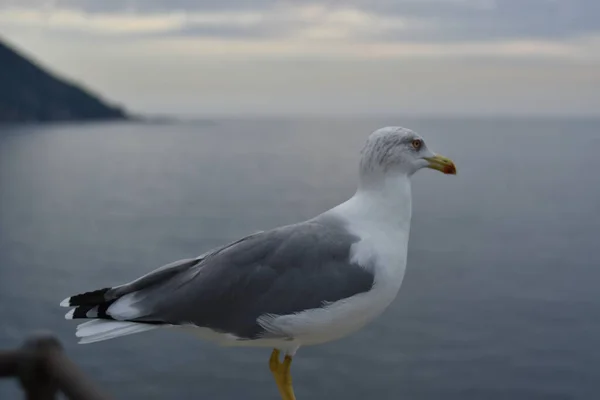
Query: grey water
{"type": "Point", "coordinates": [500, 299]}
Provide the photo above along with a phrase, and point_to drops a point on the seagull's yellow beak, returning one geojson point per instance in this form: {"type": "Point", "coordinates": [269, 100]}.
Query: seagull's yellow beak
{"type": "Point", "coordinates": [442, 164]}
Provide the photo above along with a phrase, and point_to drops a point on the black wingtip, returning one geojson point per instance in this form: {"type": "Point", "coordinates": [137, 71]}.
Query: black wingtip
{"type": "Point", "coordinates": [86, 299]}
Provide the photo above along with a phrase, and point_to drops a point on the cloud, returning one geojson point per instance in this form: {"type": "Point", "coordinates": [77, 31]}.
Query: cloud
{"type": "Point", "coordinates": [235, 56]}
{"type": "Point", "coordinates": [121, 23]}
{"type": "Point", "coordinates": [314, 21]}
{"type": "Point", "coordinates": [446, 20]}
{"type": "Point", "coordinates": [310, 29]}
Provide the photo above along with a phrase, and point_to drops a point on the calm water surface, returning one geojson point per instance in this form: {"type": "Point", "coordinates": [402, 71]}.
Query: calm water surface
{"type": "Point", "coordinates": [501, 296]}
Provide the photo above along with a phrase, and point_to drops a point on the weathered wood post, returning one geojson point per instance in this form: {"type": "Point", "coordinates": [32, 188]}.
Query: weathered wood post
{"type": "Point", "coordinates": [43, 370]}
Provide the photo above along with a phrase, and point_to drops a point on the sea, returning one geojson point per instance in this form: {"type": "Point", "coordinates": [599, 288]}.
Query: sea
{"type": "Point", "coordinates": [501, 297]}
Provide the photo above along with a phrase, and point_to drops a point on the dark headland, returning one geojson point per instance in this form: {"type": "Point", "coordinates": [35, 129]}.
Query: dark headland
{"type": "Point", "coordinates": [28, 93]}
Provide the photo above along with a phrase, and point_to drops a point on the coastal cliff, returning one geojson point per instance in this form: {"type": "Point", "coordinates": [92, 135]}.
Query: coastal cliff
{"type": "Point", "coordinates": [29, 93]}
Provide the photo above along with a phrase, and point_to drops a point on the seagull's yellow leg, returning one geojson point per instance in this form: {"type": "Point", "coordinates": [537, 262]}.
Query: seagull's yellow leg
{"type": "Point", "coordinates": [282, 375]}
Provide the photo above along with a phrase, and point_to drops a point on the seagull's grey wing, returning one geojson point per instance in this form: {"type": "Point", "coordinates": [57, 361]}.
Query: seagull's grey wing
{"type": "Point", "coordinates": [282, 271]}
{"type": "Point", "coordinates": [166, 272]}
{"type": "Point", "coordinates": [104, 297]}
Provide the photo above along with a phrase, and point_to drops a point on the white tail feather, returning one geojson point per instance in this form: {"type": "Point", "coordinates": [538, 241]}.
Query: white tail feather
{"type": "Point", "coordinates": [98, 330]}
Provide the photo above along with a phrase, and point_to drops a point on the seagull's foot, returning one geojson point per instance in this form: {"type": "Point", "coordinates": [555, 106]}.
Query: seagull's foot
{"type": "Point", "coordinates": [282, 375]}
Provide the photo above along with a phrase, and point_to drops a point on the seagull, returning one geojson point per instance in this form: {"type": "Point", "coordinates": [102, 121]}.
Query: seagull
{"type": "Point", "coordinates": [297, 285]}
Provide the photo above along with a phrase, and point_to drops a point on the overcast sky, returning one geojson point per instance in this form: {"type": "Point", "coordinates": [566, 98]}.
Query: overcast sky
{"type": "Point", "coordinates": [300, 57]}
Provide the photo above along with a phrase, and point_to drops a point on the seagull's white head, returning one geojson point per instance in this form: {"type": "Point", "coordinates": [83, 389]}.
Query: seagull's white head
{"type": "Point", "coordinates": [399, 151]}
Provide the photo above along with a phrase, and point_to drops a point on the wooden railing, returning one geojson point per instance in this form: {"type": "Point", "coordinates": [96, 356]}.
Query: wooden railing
{"type": "Point", "coordinates": [44, 370]}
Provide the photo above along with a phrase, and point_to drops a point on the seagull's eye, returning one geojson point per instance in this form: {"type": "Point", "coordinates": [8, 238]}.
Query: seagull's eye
{"type": "Point", "coordinates": [417, 143]}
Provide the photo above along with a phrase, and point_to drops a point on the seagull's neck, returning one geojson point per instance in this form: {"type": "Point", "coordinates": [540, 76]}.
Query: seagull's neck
{"type": "Point", "coordinates": [384, 202]}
